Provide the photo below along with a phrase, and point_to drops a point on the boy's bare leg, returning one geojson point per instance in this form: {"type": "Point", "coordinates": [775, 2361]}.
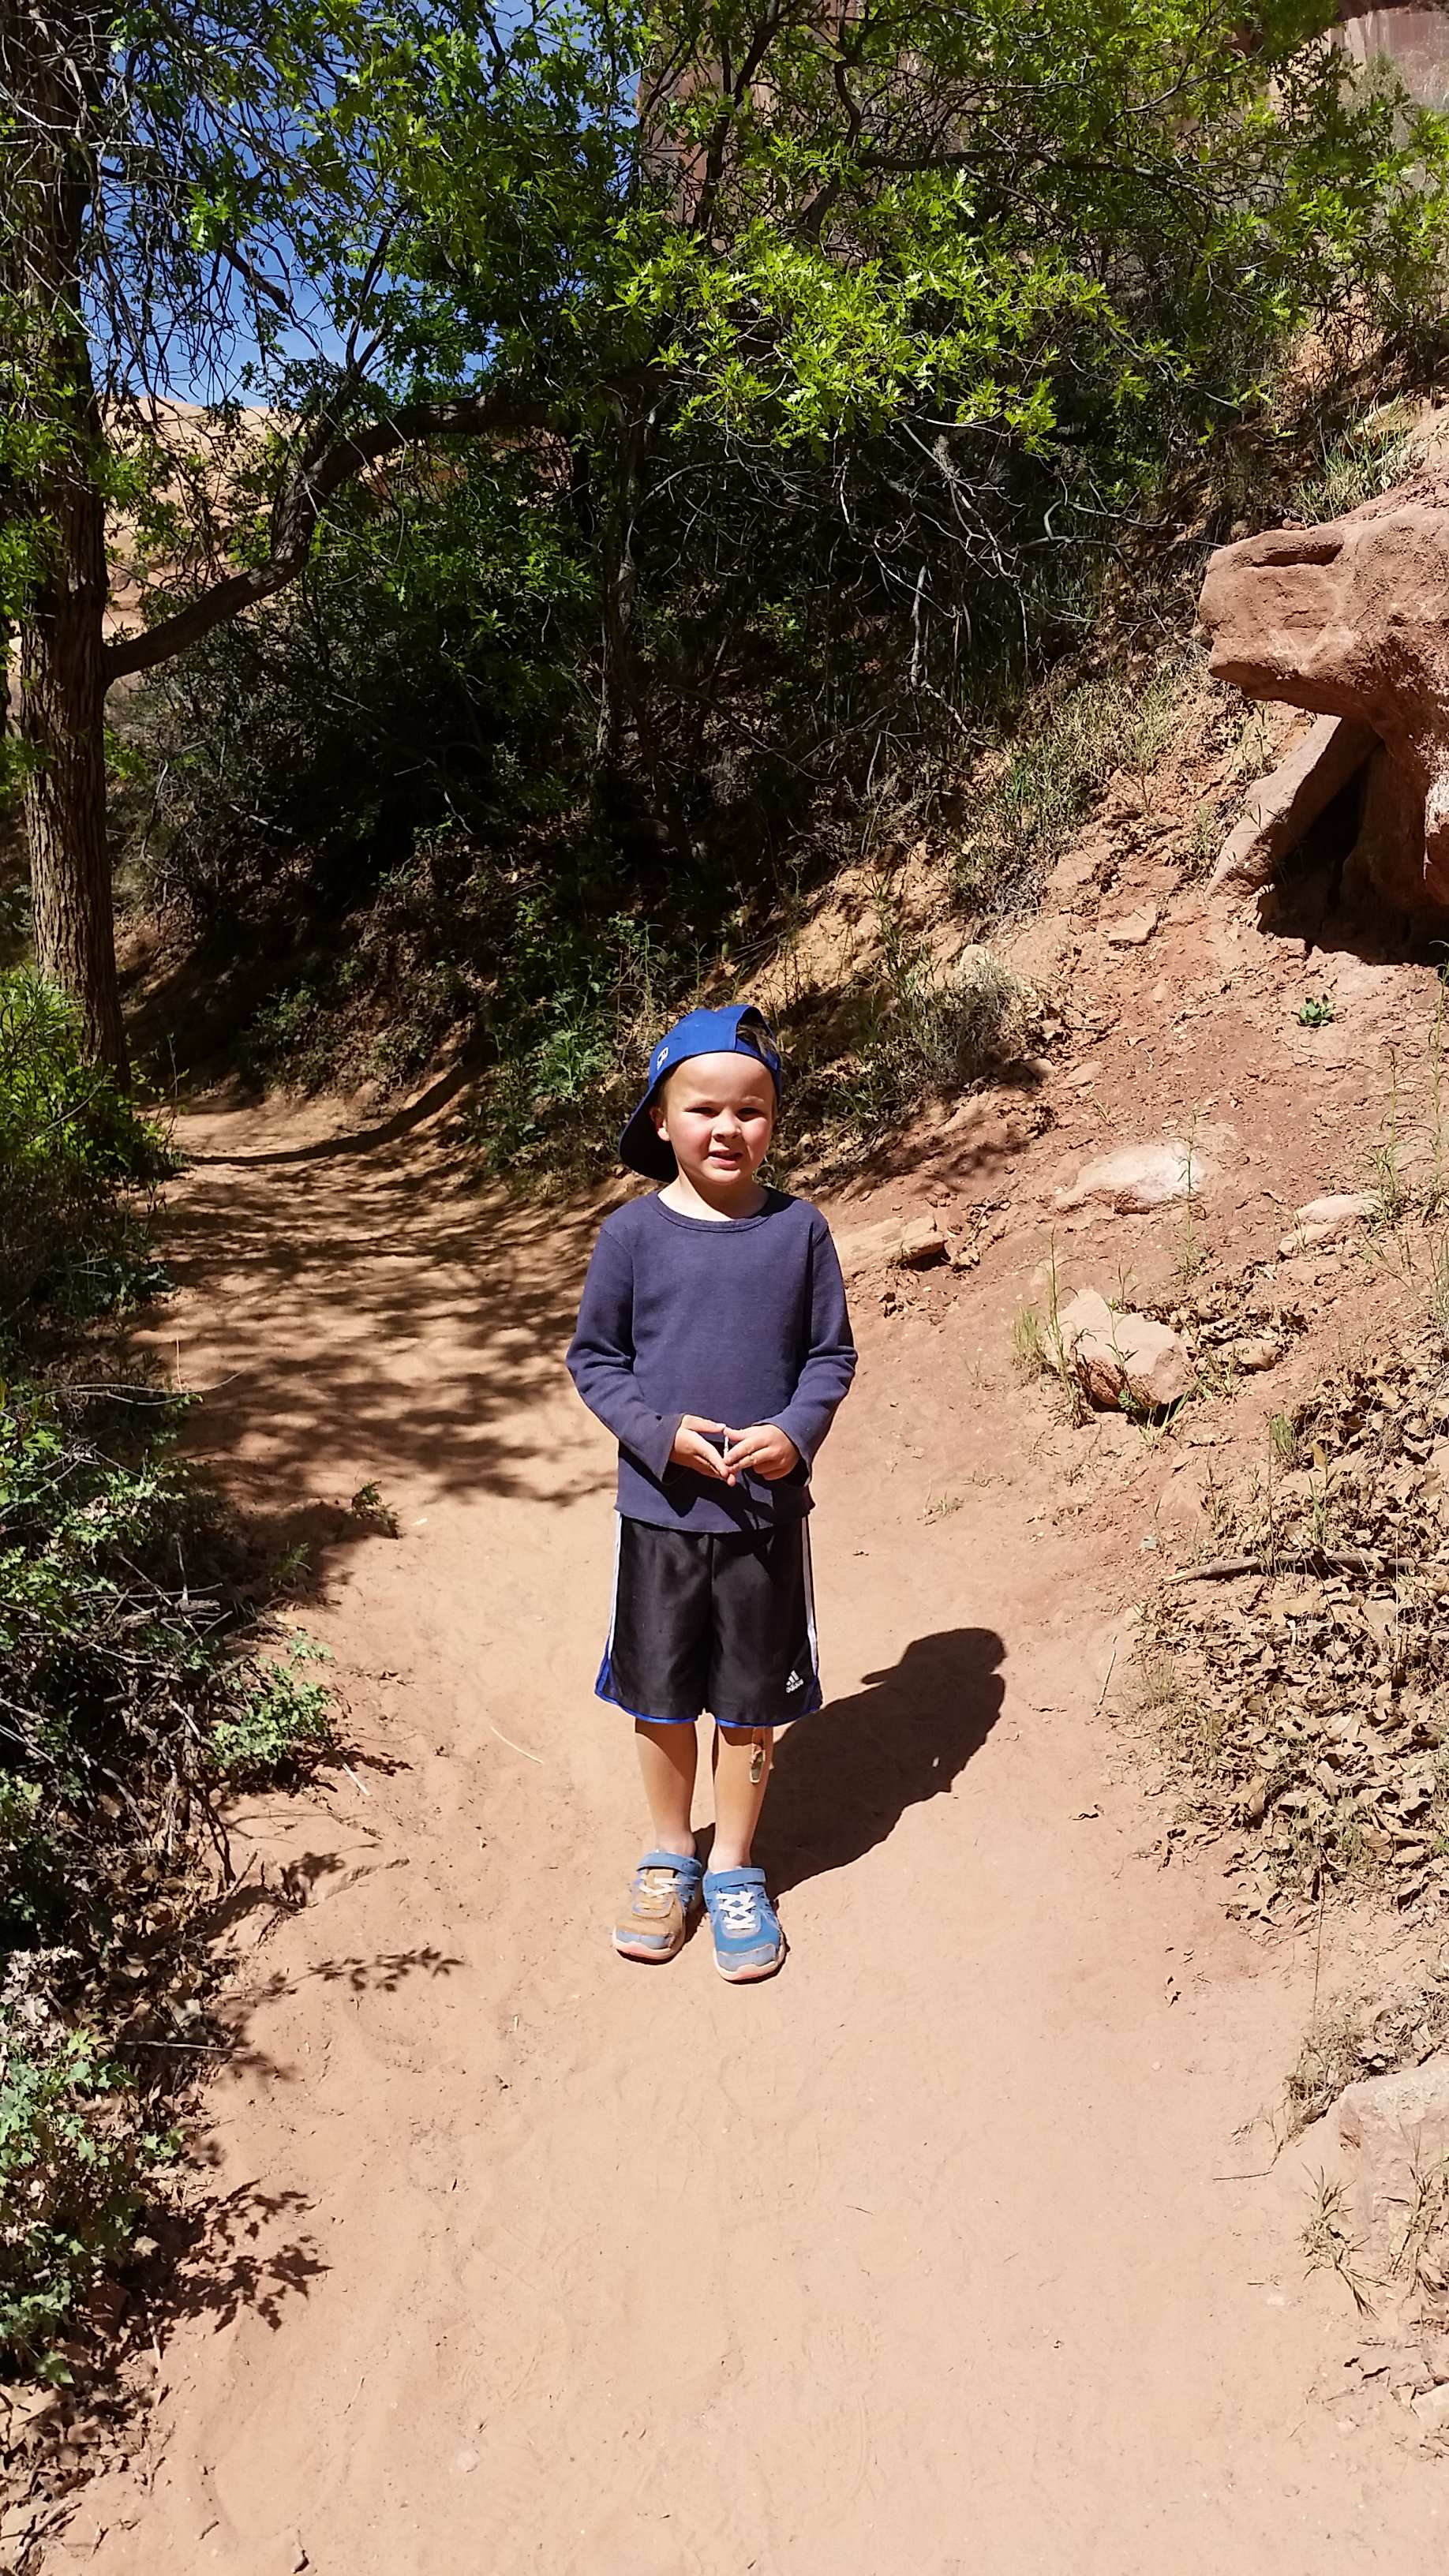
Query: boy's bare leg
{"type": "Point", "coordinates": [737, 1798]}
{"type": "Point", "coordinates": [668, 1757]}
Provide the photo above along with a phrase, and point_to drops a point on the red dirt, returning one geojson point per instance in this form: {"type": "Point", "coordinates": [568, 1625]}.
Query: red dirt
{"type": "Point", "coordinates": [952, 2247]}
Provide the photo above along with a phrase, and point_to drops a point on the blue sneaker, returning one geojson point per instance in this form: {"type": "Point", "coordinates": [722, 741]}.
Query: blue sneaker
{"type": "Point", "coordinates": [748, 1941]}
{"type": "Point", "coordinates": [663, 1896]}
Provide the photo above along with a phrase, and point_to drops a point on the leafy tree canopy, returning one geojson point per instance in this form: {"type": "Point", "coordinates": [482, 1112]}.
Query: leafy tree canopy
{"type": "Point", "coordinates": [769, 221]}
{"type": "Point", "coordinates": [914, 287]}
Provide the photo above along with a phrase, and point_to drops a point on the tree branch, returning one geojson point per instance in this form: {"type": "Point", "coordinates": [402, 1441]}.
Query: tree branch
{"type": "Point", "coordinates": [294, 520]}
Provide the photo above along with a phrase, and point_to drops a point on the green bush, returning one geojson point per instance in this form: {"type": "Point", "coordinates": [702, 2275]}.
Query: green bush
{"type": "Point", "coordinates": [932, 1028]}
{"type": "Point", "coordinates": [74, 2151]}
{"type": "Point", "coordinates": [77, 1159]}
{"type": "Point", "coordinates": [276, 1719]}
{"type": "Point", "coordinates": [129, 1697]}
{"type": "Point", "coordinates": [1065, 745]}
{"type": "Point", "coordinates": [328, 797]}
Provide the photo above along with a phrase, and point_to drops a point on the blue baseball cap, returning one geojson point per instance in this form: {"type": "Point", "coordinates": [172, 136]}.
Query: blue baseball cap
{"type": "Point", "coordinates": [741, 1030]}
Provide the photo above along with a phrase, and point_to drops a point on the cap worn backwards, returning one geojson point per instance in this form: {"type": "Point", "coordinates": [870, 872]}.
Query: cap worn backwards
{"type": "Point", "coordinates": [740, 1030]}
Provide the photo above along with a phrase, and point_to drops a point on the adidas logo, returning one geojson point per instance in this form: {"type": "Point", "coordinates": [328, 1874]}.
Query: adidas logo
{"type": "Point", "coordinates": [795, 1682]}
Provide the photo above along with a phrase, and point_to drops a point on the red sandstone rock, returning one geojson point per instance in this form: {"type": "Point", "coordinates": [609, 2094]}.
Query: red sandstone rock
{"type": "Point", "coordinates": [1352, 620]}
{"type": "Point", "coordinates": [1278, 811]}
{"type": "Point", "coordinates": [1415, 39]}
{"type": "Point", "coordinates": [1394, 2126]}
{"type": "Point", "coordinates": [1122, 1358]}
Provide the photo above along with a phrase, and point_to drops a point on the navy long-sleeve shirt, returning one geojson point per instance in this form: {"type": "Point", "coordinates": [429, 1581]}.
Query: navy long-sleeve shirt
{"type": "Point", "coordinates": [741, 1320]}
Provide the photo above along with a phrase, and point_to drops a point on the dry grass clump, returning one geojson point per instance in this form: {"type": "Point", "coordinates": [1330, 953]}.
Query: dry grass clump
{"type": "Point", "coordinates": [909, 1029]}
{"type": "Point", "coordinates": [942, 1028]}
{"type": "Point", "coordinates": [1398, 2278]}
{"type": "Point", "coordinates": [1369, 458]}
{"type": "Point", "coordinates": [1039, 1350]}
{"type": "Point", "coordinates": [1305, 1710]}
{"type": "Point", "coordinates": [1039, 787]}
{"type": "Point", "coordinates": [1363, 2035]}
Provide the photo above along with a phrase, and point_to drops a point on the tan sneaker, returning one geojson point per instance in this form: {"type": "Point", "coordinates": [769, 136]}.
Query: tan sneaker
{"type": "Point", "coordinates": [665, 1892]}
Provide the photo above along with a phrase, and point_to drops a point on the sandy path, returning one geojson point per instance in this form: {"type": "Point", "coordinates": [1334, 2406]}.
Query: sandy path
{"type": "Point", "coordinates": [916, 2259]}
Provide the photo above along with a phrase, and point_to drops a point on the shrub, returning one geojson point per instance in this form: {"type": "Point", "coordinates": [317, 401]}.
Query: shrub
{"type": "Point", "coordinates": [277, 1718]}
{"type": "Point", "coordinates": [328, 796]}
{"type": "Point", "coordinates": [73, 2153]}
{"type": "Point", "coordinates": [77, 1158]}
{"type": "Point", "coordinates": [1066, 746]}
{"type": "Point", "coordinates": [129, 1692]}
{"type": "Point", "coordinates": [1368, 458]}
{"type": "Point", "coordinates": [129, 1699]}
{"type": "Point", "coordinates": [945, 1028]}
{"type": "Point", "coordinates": [932, 1027]}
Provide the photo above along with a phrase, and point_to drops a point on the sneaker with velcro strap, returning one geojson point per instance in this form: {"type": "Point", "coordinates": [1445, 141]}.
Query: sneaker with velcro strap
{"type": "Point", "coordinates": [664, 1894]}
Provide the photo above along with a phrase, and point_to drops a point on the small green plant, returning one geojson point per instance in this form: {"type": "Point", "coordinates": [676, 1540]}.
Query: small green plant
{"type": "Point", "coordinates": [1328, 2241]}
{"type": "Point", "coordinates": [279, 1718]}
{"type": "Point", "coordinates": [1206, 836]}
{"type": "Point", "coordinates": [941, 1507]}
{"type": "Point", "coordinates": [1436, 1292]}
{"type": "Point", "coordinates": [1368, 459]}
{"type": "Point", "coordinates": [1418, 2258]}
{"type": "Point", "coordinates": [1315, 1011]}
{"type": "Point", "coordinates": [1028, 1347]}
{"type": "Point", "coordinates": [1157, 1687]}
{"type": "Point", "coordinates": [1147, 732]}
{"type": "Point", "coordinates": [1191, 1251]}
{"type": "Point", "coordinates": [1254, 753]}
{"type": "Point", "coordinates": [368, 1507]}
{"type": "Point", "coordinates": [1435, 1194]}
{"type": "Point", "coordinates": [933, 1028]}
{"type": "Point", "coordinates": [1059, 758]}
{"type": "Point", "coordinates": [1330, 2058]}
{"type": "Point", "coordinates": [1386, 1158]}
{"type": "Point", "coordinates": [74, 2148]}
{"type": "Point", "coordinates": [289, 1570]}
{"type": "Point", "coordinates": [1038, 1347]}
{"type": "Point", "coordinates": [1283, 1439]}
{"type": "Point", "coordinates": [77, 1163]}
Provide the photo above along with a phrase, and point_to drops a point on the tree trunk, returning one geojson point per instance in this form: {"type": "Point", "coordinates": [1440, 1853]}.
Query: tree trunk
{"type": "Point", "coordinates": [620, 588]}
{"type": "Point", "coordinates": [54, 64]}
{"type": "Point", "coordinates": [62, 728]}
{"type": "Point", "coordinates": [623, 694]}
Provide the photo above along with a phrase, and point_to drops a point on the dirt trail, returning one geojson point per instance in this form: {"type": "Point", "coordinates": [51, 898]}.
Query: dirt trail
{"type": "Point", "coordinates": [930, 2255]}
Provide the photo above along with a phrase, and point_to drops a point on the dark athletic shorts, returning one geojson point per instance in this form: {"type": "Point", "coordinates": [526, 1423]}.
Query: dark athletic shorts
{"type": "Point", "coordinates": [724, 1622]}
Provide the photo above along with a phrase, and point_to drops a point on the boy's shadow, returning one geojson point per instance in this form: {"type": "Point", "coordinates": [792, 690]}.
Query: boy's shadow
{"type": "Point", "coordinates": [842, 1779]}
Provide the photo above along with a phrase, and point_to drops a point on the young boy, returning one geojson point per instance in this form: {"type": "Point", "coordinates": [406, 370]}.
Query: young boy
{"type": "Point", "coordinates": [714, 1342]}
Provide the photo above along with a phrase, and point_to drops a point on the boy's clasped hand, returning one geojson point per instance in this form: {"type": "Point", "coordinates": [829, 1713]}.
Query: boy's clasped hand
{"type": "Point", "coordinates": [713, 1449]}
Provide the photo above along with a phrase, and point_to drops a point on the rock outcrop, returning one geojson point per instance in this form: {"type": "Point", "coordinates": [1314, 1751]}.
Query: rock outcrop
{"type": "Point", "coordinates": [1395, 2126]}
{"type": "Point", "coordinates": [1283, 807]}
{"type": "Point", "coordinates": [1351, 621]}
{"type": "Point", "coordinates": [1415, 40]}
{"type": "Point", "coordinates": [1330, 1219]}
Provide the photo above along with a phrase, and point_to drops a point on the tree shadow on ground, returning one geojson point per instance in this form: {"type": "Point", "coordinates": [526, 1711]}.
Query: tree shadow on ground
{"type": "Point", "coordinates": [843, 1779]}
{"type": "Point", "coordinates": [377, 1318]}
{"type": "Point", "coordinates": [205, 2257]}
{"type": "Point", "coordinates": [247, 2251]}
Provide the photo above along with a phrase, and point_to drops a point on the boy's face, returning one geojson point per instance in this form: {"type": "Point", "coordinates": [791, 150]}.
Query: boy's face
{"type": "Point", "coordinates": [718, 1112]}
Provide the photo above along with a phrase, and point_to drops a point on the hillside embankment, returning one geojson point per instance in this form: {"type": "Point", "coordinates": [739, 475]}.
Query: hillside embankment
{"type": "Point", "coordinates": [972, 2241]}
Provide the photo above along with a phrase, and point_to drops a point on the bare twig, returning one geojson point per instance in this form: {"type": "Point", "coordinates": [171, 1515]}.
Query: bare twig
{"type": "Point", "coordinates": [1339, 1560]}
